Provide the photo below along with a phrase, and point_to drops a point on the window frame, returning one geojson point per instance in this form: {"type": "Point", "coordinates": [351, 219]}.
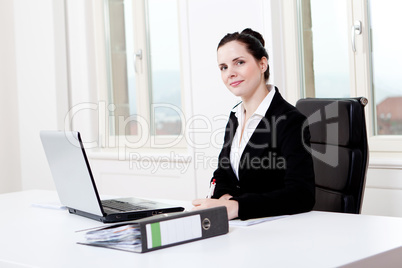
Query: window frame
{"type": "Point", "coordinates": [359, 63]}
{"type": "Point", "coordinates": [377, 143]}
{"type": "Point", "coordinates": [149, 141]}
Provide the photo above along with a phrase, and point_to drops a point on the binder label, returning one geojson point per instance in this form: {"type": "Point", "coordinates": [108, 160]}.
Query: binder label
{"type": "Point", "coordinates": [173, 231]}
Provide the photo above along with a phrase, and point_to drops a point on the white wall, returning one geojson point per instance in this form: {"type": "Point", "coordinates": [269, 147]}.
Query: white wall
{"type": "Point", "coordinates": [38, 92]}
{"type": "Point", "coordinates": [383, 193]}
{"type": "Point", "coordinates": [10, 179]}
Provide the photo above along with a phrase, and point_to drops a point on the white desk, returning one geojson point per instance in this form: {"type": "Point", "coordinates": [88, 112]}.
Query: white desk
{"type": "Point", "coordinates": [39, 237]}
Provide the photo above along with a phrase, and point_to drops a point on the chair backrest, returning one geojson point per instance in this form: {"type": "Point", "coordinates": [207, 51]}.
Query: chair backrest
{"type": "Point", "coordinates": [340, 151]}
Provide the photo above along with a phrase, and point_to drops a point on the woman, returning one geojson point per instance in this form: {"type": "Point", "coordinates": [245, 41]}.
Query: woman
{"type": "Point", "coordinates": [264, 168]}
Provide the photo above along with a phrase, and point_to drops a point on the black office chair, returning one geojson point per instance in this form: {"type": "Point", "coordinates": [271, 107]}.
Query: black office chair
{"type": "Point", "coordinates": [340, 151]}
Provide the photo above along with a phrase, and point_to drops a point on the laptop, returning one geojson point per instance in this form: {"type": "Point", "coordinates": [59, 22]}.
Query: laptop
{"type": "Point", "coordinates": [76, 186]}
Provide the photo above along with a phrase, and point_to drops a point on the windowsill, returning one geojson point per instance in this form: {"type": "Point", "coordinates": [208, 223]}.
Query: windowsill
{"type": "Point", "coordinates": [386, 144]}
{"type": "Point", "coordinates": [388, 160]}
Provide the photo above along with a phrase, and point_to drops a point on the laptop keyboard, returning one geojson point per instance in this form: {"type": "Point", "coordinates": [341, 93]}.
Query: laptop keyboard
{"type": "Point", "coordinates": [121, 206]}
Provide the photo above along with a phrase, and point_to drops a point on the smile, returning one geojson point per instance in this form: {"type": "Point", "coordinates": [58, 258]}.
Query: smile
{"type": "Point", "coordinates": [235, 84]}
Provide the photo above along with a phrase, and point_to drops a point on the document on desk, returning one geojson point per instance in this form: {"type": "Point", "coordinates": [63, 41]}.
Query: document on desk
{"type": "Point", "coordinates": [160, 231]}
{"type": "Point", "coordinates": [238, 222]}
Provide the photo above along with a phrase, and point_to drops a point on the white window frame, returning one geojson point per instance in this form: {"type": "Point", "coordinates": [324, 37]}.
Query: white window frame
{"type": "Point", "coordinates": [144, 105]}
{"type": "Point", "coordinates": [88, 84]}
{"type": "Point", "coordinates": [379, 145]}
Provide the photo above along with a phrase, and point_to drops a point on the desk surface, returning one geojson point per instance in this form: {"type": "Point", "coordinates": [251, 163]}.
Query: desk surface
{"type": "Point", "coordinates": [40, 237]}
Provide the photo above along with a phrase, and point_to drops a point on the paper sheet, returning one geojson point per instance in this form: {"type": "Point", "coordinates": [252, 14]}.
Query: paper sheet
{"type": "Point", "coordinates": [249, 222]}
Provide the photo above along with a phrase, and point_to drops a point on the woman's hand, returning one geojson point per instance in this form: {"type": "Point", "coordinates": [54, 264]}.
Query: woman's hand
{"type": "Point", "coordinates": [232, 206]}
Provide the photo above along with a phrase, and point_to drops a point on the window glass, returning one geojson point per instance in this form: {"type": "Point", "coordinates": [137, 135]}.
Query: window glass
{"type": "Point", "coordinates": [165, 66]}
{"type": "Point", "coordinates": [325, 48]}
{"type": "Point", "coordinates": [143, 97]}
{"type": "Point", "coordinates": [386, 65]}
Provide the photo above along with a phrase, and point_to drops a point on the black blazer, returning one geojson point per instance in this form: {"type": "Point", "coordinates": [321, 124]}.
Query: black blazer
{"type": "Point", "coordinates": [276, 175]}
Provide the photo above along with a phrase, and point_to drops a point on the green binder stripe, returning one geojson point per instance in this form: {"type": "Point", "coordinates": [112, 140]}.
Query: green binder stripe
{"type": "Point", "coordinates": [156, 235]}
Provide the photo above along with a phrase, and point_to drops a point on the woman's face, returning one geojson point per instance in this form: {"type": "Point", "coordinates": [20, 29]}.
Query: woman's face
{"type": "Point", "coordinates": [240, 72]}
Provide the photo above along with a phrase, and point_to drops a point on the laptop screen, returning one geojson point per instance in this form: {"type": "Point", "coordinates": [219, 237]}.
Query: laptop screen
{"type": "Point", "coordinates": [70, 170]}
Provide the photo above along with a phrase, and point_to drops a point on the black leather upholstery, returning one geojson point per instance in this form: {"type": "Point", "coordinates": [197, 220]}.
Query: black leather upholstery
{"type": "Point", "coordinates": [340, 151]}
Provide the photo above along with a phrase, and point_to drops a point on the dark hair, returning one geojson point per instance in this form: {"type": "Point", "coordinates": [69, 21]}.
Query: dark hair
{"type": "Point", "coordinates": [254, 44]}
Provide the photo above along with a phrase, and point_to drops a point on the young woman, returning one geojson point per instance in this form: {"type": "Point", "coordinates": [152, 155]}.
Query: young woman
{"type": "Point", "coordinates": [264, 168]}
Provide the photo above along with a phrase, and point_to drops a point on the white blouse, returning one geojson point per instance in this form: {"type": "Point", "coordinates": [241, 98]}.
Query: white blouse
{"type": "Point", "coordinates": [238, 145]}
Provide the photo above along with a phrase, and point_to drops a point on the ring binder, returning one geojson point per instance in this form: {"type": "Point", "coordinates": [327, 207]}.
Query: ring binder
{"type": "Point", "coordinates": [160, 231]}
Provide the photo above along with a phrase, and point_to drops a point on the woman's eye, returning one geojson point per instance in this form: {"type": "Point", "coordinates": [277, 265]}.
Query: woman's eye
{"type": "Point", "coordinates": [240, 62]}
{"type": "Point", "coordinates": [223, 68]}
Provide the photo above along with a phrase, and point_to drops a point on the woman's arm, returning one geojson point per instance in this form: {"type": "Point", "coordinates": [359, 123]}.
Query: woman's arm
{"type": "Point", "coordinates": [232, 206]}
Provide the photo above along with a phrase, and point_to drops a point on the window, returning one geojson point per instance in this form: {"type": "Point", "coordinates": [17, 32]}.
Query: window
{"type": "Point", "coordinates": [339, 61]}
{"type": "Point", "coordinates": [144, 73]}
{"type": "Point", "coordinates": [325, 44]}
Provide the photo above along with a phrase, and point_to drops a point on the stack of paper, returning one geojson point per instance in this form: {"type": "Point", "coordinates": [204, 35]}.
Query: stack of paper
{"type": "Point", "coordinates": [125, 237]}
